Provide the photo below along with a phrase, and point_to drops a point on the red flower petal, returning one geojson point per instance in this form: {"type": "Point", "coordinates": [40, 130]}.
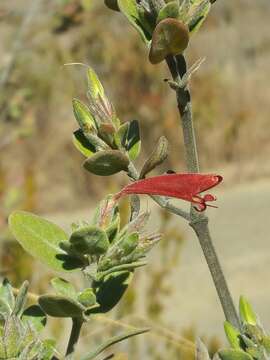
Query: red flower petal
{"type": "Point", "coordinates": [182, 186]}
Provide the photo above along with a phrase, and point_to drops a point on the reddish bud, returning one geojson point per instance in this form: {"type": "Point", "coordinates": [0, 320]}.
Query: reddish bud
{"type": "Point", "coordinates": [181, 186]}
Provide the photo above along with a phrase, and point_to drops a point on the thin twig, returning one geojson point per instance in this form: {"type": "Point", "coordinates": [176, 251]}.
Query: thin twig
{"type": "Point", "coordinates": [199, 222]}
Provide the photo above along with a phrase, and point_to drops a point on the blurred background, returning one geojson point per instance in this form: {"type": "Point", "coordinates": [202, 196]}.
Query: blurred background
{"type": "Point", "coordinates": [40, 170]}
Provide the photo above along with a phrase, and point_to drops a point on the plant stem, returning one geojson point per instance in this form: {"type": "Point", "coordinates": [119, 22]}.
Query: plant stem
{"type": "Point", "coordinates": [74, 335]}
{"type": "Point", "coordinates": [199, 222]}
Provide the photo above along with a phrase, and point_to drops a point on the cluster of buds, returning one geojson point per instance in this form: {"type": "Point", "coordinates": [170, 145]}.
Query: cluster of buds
{"type": "Point", "coordinates": [165, 25]}
{"type": "Point", "coordinates": [108, 145]}
{"type": "Point", "coordinates": [108, 255]}
{"type": "Point", "coordinates": [251, 341]}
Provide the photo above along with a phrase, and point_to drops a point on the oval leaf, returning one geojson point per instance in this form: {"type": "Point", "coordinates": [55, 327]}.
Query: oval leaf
{"type": "Point", "coordinates": [64, 288]}
{"type": "Point", "coordinates": [105, 163]}
{"type": "Point", "coordinates": [170, 10]}
{"type": "Point", "coordinates": [40, 238]}
{"type": "Point", "coordinates": [110, 291]}
{"type": "Point", "coordinates": [35, 316]}
{"type": "Point", "coordinates": [60, 306]}
{"type": "Point", "coordinates": [83, 144]}
{"type": "Point", "coordinates": [170, 37]}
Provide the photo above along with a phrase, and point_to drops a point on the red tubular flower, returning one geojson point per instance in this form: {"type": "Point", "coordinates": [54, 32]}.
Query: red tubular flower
{"type": "Point", "coordinates": [181, 186]}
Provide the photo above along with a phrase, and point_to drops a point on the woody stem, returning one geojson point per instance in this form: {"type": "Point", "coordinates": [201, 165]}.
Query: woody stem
{"type": "Point", "coordinates": [199, 222]}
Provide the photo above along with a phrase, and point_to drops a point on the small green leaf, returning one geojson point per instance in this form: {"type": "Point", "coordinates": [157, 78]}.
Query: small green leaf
{"type": "Point", "coordinates": [130, 9]}
{"type": "Point", "coordinates": [112, 341]}
{"type": "Point", "coordinates": [159, 154]}
{"type": "Point", "coordinates": [128, 138]}
{"type": "Point", "coordinates": [111, 289]}
{"type": "Point", "coordinates": [90, 240]}
{"type": "Point", "coordinates": [246, 312]}
{"type": "Point", "coordinates": [170, 10]}
{"type": "Point", "coordinates": [233, 335]}
{"type": "Point", "coordinates": [21, 299]}
{"type": "Point", "coordinates": [84, 117]}
{"type": "Point", "coordinates": [40, 238]}
{"type": "Point", "coordinates": [133, 140]}
{"type": "Point", "coordinates": [105, 163]}
{"type": "Point", "coordinates": [64, 288]}
{"type": "Point", "coordinates": [60, 306]}
{"type": "Point", "coordinates": [198, 13]}
{"type": "Point", "coordinates": [6, 296]}
{"type": "Point", "coordinates": [87, 297]}
{"type": "Point", "coordinates": [83, 144]}
{"type": "Point", "coordinates": [95, 88]}
{"type": "Point", "coordinates": [112, 4]}
{"type": "Point", "coordinates": [170, 37]}
{"type": "Point", "coordinates": [35, 316]}
{"type": "Point", "coordinates": [234, 355]}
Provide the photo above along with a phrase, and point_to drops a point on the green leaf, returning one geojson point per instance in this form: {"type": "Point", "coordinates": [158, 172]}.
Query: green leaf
{"type": "Point", "coordinates": [87, 298]}
{"type": "Point", "coordinates": [246, 312]}
{"type": "Point", "coordinates": [233, 335]}
{"type": "Point", "coordinates": [90, 240]}
{"type": "Point", "coordinates": [111, 289]}
{"type": "Point", "coordinates": [199, 12]}
{"type": "Point", "coordinates": [83, 144]}
{"type": "Point", "coordinates": [133, 140]}
{"type": "Point", "coordinates": [170, 37]}
{"type": "Point", "coordinates": [159, 154]}
{"type": "Point", "coordinates": [40, 238]}
{"type": "Point", "coordinates": [112, 4]}
{"type": "Point", "coordinates": [130, 9]}
{"type": "Point", "coordinates": [113, 341]}
{"type": "Point", "coordinates": [6, 296]}
{"type": "Point", "coordinates": [84, 117]}
{"type": "Point", "coordinates": [60, 306]}
{"type": "Point", "coordinates": [170, 10]}
{"type": "Point", "coordinates": [21, 299]}
{"type": "Point", "coordinates": [64, 288]}
{"type": "Point", "coordinates": [106, 163]}
{"type": "Point", "coordinates": [95, 88]}
{"type": "Point", "coordinates": [234, 355]}
{"type": "Point", "coordinates": [128, 138]}
{"type": "Point", "coordinates": [35, 316]}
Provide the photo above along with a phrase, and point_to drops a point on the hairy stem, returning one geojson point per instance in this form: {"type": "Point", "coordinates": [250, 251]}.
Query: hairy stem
{"type": "Point", "coordinates": [199, 222]}
{"type": "Point", "coordinates": [74, 335]}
